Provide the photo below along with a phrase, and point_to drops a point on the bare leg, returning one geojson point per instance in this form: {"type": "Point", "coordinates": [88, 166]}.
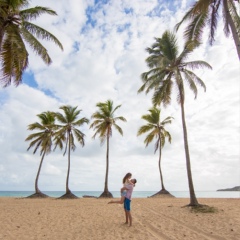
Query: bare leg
{"type": "Point", "coordinates": [126, 215]}
{"type": "Point", "coordinates": [130, 218]}
{"type": "Point", "coordinates": [118, 201]}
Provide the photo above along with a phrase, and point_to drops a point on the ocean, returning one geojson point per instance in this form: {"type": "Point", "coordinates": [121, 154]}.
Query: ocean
{"type": "Point", "coordinates": [136, 194]}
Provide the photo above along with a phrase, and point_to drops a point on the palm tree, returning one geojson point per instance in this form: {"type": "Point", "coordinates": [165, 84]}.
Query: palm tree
{"type": "Point", "coordinates": [169, 69]}
{"type": "Point", "coordinates": [155, 129]}
{"type": "Point", "coordinates": [103, 123]}
{"type": "Point", "coordinates": [42, 140]}
{"type": "Point", "coordinates": [16, 29]}
{"type": "Point", "coordinates": [65, 135]}
{"type": "Point", "coordinates": [205, 12]}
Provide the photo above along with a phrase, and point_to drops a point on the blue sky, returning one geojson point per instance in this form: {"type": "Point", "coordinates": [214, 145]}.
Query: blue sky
{"type": "Point", "coordinates": [103, 58]}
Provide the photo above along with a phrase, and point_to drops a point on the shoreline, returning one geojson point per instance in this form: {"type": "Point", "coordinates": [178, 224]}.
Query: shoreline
{"type": "Point", "coordinates": [136, 194]}
{"type": "Point", "coordinates": [93, 218]}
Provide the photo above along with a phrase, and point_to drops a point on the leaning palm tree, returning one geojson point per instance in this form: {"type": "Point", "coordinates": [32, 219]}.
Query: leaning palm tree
{"type": "Point", "coordinates": [103, 123]}
{"type": "Point", "coordinates": [16, 30]}
{"type": "Point", "coordinates": [41, 140]}
{"type": "Point", "coordinates": [156, 129]}
{"type": "Point", "coordinates": [67, 130]}
{"type": "Point", "coordinates": [168, 70]}
{"type": "Point", "coordinates": [206, 12]}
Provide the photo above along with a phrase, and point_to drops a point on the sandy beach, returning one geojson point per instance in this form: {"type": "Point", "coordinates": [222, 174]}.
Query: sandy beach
{"type": "Point", "coordinates": [91, 218]}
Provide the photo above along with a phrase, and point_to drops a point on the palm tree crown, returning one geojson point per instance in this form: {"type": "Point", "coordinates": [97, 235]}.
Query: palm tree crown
{"type": "Point", "coordinates": [155, 128]}
{"type": "Point", "coordinates": [169, 68]}
{"type": "Point", "coordinates": [68, 128]}
{"type": "Point", "coordinates": [105, 120]}
{"type": "Point", "coordinates": [206, 12]}
{"type": "Point", "coordinates": [16, 29]}
{"type": "Point", "coordinates": [43, 138]}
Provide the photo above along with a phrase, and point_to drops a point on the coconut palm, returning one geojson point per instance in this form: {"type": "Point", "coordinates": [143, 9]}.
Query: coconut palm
{"type": "Point", "coordinates": [67, 130]}
{"type": "Point", "coordinates": [168, 70]}
{"type": "Point", "coordinates": [103, 125]}
{"type": "Point", "coordinates": [16, 30]}
{"type": "Point", "coordinates": [156, 129]}
{"type": "Point", "coordinates": [41, 140]}
{"type": "Point", "coordinates": [206, 12]}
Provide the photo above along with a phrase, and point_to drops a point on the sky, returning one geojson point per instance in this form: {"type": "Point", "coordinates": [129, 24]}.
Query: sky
{"type": "Point", "coordinates": [104, 55]}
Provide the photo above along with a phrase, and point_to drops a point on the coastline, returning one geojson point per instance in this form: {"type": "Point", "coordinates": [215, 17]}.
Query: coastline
{"type": "Point", "coordinates": [136, 194]}
{"type": "Point", "coordinates": [91, 218]}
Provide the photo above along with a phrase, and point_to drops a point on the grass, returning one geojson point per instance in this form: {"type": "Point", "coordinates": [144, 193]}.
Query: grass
{"type": "Point", "coordinates": [204, 209]}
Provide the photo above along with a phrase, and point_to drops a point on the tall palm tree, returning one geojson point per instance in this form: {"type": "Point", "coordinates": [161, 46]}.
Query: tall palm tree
{"type": "Point", "coordinates": [168, 70]}
{"type": "Point", "coordinates": [16, 29]}
{"type": "Point", "coordinates": [103, 124]}
{"type": "Point", "coordinates": [65, 134]}
{"type": "Point", "coordinates": [206, 12]}
{"type": "Point", "coordinates": [156, 129]}
{"type": "Point", "coordinates": [41, 140]}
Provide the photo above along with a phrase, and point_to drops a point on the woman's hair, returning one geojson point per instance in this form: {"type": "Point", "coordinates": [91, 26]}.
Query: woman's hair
{"type": "Point", "coordinates": [128, 175]}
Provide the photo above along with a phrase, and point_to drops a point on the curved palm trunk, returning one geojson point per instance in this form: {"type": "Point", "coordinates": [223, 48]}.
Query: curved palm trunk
{"type": "Point", "coordinates": [68, 172]}
{"type": "Point", "coordinates": [159, 165]}
{"type": "Point", "coordinates": [38, 173]}
{"type": "Point", "coordinates": [193, 199]}
{"type": "Point", "coordinates": [233, 28]}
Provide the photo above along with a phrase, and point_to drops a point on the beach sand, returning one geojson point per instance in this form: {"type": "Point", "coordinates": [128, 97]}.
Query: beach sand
{"type": "Point", "coordinates": [91, 218]}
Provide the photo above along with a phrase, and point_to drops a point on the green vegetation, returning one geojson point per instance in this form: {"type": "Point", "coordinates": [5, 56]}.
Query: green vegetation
{"type": "Point", "coordinates": [203, 209]}
{"type": "Point", "coordinates": [205, 13]}
{"type": "Point", "coordinates": [16, 30]}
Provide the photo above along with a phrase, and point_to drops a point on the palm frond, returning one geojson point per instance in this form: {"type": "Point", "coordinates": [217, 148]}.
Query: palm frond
{"type": "Point", "coordinates": [41, 33]}
{"type": "Point", "coordinates": [118, 128]}
{"type": "Point", "coordinates": [34, 13]}
{"type": "Point", "coordinates": [213, 21]}
{"type": "Point", "coordinates": [37, 47]}
{"type": "Point", "coordinates": [198, 80]}
{"type": "Point", "coordinates": [197, 64]}
{"type": "Point", "coordinates": [80, 136]}
{"type": "Point", "coordinates": [145, 129]}
{"type": "Point", "coordinates": [149, 138]}
{"type": "Point", "coordinates": [13, 57]}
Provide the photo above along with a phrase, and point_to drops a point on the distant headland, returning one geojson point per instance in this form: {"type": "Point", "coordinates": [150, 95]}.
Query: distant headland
{"type": "Point", "coordinates": [230, 189]}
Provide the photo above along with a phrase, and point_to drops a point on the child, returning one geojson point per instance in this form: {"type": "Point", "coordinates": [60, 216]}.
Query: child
{"type": "Point", "coordinates": [126, 181]}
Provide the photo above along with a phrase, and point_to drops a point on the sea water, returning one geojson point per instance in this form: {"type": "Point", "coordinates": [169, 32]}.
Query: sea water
{"type": "Point", "coordinates": [136, 194]}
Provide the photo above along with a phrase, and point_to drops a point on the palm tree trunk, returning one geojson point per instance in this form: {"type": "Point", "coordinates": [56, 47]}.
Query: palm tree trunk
{"type": "Point", "coordinates": [68, 172]}
{"type": "Point", "coordinates": [193, 199]}
{"type": "Point", "coordinates": [107, 166]}
{"type": "Point", "coordinates": [159, 165]}
{"type": "Point", "coordinates": [233, 28]}
{"type": "Point", "coordinates": [38, 173]}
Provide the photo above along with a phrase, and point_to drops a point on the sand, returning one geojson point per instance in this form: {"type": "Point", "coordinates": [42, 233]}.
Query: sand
{"type": "Point", "coordinates": [91, 218]}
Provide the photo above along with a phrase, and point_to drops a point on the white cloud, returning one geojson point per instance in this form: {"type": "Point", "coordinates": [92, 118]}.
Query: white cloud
{"type": "Point", "coordinates": [108, 65]}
